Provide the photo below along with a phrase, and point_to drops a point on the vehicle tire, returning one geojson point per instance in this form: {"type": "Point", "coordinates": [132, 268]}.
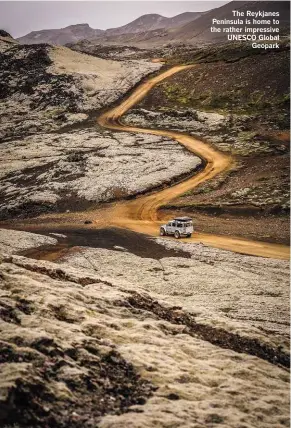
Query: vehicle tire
{"type": "Point", "coordinates": [162, 231]}
{"type": "Point", "coordinates": [189, 235]}
{"type": "Point", "coordinates": [177, 234]}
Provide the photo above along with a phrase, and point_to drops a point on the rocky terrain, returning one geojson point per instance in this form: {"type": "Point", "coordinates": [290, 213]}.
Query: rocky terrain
{"type": "Point", "coordinates": [250, 190]}
{"type": "Point", "coordinates": [45, 88]}
{"type": "Point", "coordinates": [93, 352]}
{"type": "Point", "coordinates": [116, 52]}
{"type": "Point", "coordinates": [259, 84]}
{"type": "Point", "coordinates": [51, 145]}
{"type": "Point", "coordinates": [78, 169]}
{"type": "Point", "coordinates": [231, 133]}
{"type": "Point", "coordinates": [227, 132]}
{"type": "Point", "coordinates": [17, 241]}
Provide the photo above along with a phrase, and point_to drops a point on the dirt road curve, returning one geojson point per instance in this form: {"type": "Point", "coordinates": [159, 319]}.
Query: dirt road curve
{"type": "Point", "coordinates": [140, 214]}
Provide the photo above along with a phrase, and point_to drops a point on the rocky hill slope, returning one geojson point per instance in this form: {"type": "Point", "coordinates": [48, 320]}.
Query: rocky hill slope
{"type": "Point", "coordinates": [84, 345]}
{"type": "Point", "coordinates": [44, 88]}
{"type": "Point", "coordinates": [152, 22]}
{"type": "Point", "coordinates": [200, 29]}
{"type": "Point", "coordinates": [70, 34]}
{"type": "Point", "coordinates": [6, 41]}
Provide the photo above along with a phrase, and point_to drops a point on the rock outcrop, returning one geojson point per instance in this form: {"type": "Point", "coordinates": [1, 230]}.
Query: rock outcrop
{"type": "Point", "coordinates": [6, 41]}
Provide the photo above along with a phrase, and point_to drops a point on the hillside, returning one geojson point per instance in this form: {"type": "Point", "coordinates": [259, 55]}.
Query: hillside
{"type": "Point", "coordinates": [70, 34]}
{"type": "Point", "coordinates": [200, 29]}
{"type": "Point", "coordinates": [75, 33]}
{"type": "Point", "coordinates": [41, 85]}
{"type": "Point", "coordinates": [153, 22]}
{"type": "Point", "coordinates": [6, 41]}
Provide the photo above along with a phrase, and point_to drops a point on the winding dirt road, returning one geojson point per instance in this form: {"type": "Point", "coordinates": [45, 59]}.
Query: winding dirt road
{"type": "Point", "coordinates": [140, 214]}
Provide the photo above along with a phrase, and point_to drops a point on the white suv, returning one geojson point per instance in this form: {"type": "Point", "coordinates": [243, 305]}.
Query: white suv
{"type": "Point", "coordinates": [180, 226]}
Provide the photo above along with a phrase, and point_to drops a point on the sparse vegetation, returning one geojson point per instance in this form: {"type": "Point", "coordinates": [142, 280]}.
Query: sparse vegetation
{"type": "Point", "coordinates": [258, 87]}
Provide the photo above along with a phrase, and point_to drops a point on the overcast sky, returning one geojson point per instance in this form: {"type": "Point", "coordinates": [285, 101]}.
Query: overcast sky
{"type": "Point", "coordinates": [21, 17]}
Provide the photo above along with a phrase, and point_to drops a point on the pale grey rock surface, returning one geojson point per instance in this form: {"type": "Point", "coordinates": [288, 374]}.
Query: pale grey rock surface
{"type": "Point", "coordinates": [13, 241]}
{"type": "Point", "coordinates": [87, 166]}
{"type": "Point", "coordinates": [80, 318]}
{"type": "Point", "coordinates": [76, 312]}
{"type": "Point", "coordinates": [241, 293]}
{"type": "Point", "coordinates": [103, 81]}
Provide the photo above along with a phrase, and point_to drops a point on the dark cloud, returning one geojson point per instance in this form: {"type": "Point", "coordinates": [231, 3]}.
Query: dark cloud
{"type": "Point", "coordinates": [21, 17]}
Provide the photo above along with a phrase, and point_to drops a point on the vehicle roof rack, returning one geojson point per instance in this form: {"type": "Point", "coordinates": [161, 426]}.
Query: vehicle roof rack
{"type": "Point", "coordinates": [183, 218]}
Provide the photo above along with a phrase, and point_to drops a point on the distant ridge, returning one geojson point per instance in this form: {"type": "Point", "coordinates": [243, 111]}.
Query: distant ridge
{"type": "Point", "coordinates": [157, 30]}
{"type": "Point", "coordinates": [197, 31]}
{"type": "Point", "coordinates": [70, 34]}
{"type": "Point", "coordinates": [153, 22]}
{"type": "Point", "coordinates": [75, 33]}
